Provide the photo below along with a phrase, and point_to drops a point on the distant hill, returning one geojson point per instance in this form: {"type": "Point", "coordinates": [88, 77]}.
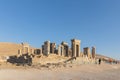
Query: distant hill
{"type": "Point", "coordinates": [102, 56]}
{"type": "Point", "coordinates": [9, 48]}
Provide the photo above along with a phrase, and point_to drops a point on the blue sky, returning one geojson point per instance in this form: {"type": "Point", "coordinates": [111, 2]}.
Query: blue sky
{"type": "Point", "coordinates": [94, 22]}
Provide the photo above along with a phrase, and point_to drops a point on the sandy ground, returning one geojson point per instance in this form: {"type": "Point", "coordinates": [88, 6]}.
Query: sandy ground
{"type": "Point", "coordinates": [76, 72]}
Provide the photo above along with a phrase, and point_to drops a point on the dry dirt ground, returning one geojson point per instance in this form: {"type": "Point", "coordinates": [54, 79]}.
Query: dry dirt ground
{"type": "Point", "coordinates": [76, 72]}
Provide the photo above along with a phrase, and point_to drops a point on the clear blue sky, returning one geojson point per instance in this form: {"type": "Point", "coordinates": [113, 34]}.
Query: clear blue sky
{"type": "Point", "coordinates": [94, 22]}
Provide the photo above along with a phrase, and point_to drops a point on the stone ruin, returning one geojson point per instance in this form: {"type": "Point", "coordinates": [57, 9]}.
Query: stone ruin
{"type": "Point", "coordinates": [66, 49]}
{"type": "Point", "coordinates": [88, 53]}
{"type": "Point", "coordinates": [26, 53]}
{"type": "Point", "coordinates": [24, 49]}
{"type": "Point", "coordinates": [75, 48]}
{"type": "Point", "coordinates": [52, 48]}
{"type": "Point", "coordinates": [63, 49]}
{"type": "Point", "coordinates": [93, 52]}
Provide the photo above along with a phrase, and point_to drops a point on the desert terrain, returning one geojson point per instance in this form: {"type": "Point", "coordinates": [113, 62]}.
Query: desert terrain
{"type": "Point", "coordinates": [70, 72]}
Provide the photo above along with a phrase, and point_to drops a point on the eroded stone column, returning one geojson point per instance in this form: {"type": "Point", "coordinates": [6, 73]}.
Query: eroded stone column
{"type": "Point", "coordinates": [61, 50]}
{"type": "Point", "coordinates": [47, 48]}
{"type": "Point", "coordinates": [66, 48]}
{"type": "Point", "coordinates": [86, 52]}
{"type": "Point", "coordinates": [93, 52]}
{"type": "Point", "coordinates": [25, 48]}
{"type": "Point", "coordinates": [75, 48]}
{"type": "Point", "coordinates": [52, 47]}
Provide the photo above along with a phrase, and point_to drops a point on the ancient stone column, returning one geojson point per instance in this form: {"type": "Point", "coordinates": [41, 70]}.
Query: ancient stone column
{"type": "Point", "coordinates": [25, 48]}
{"type": "Point", "coordinates": [61, 50]}
{"type": "Point", "coordinates": [75, 48]}
{"type": "Point", "coordinates": [47, 47]}
{"type": "Point", "coordinates": [86, 52]}
{"type": "Point", "coordinates": [66, 48]}
{"type": "Point", "coordinates": [93, 52]}
{"type": "Point", "coordinates": [52, 47]}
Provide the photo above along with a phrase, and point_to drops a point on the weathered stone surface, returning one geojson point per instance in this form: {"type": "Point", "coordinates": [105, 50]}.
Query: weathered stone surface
{"type": "Point", "coordinates": [75, 48]}
{"type": "Point", "coordinates": [93, 52]}
{"type": "Point", "coordinates": [86, 52]}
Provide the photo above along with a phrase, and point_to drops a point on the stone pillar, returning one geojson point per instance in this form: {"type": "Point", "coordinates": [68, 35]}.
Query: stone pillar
{"type": "Point", "coordinates": [52, 47]}
{"type": "Point", "coordinates": [25, 48]}
{"type": "Point", "coordinates": [66, 49]}
{"type": "Point", "coordinates": [75, 48]}
{"type": "Point", "coordinates": [86, 52]}
{"type": "Point", "coordinates": [47, 48]}
{"type": "Point", "coordinates": [93, 52]}
{"type": "Point", "coordinates": [61, 50]}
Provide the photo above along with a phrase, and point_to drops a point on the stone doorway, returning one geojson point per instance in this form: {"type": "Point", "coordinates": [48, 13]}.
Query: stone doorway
{"type": "Point", "coordinates": [77, 50]}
